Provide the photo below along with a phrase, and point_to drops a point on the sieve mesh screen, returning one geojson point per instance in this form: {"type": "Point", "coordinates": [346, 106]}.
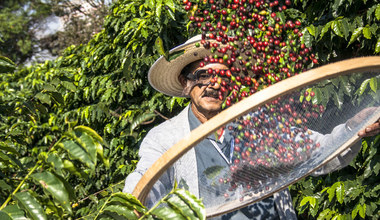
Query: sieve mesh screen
{"type": "Point", "coordinates": [276, 144]}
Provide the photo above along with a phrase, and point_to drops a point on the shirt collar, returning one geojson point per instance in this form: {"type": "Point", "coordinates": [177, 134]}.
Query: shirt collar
{"type": "Point", "coordinates": [194, 123]}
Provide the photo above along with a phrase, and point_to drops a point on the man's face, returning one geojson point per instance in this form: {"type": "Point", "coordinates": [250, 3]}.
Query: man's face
{"type": "Point", "coordinates": [205, 98]}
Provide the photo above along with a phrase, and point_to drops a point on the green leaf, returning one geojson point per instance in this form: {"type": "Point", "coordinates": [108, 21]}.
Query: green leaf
{"type": "Point", "coordinates": [128, 200]}
{"type": "Point", "coordinates": [293, 13]}
{"type": "Point", "coordinates": [77, 152]}
{"type": "Point", "coordinates": [7, 60]}
{"type": "Point", "coordinates": [99, 151]}
{"type": "Point", "coordinates": [4, 216]}
{"type": "Point", "coordinates": [88, 143]}
{"type": "Point", "coordinates": [336, 4]}
{"type": "Point", "coordinates": [340, 192]}
{"type": "Point", "coordinates": [170, 4]}
{"type": "Point", "coordinates": [325, 214]}
{"type": "Point", "coordinates": [355, 34]}
{"type": "Point", "coordinates": [336, 26]}
{"type": "Point", "coordinates": [376, 168]}
{"type": "Point", "coordinates": [373, 84]}
{"type": "Point", "coordinates": [140, 119]}
{"type": "Point", "coordinates": [180, 206]}
{"type": "Point", "coordinates": [89, 131]}
{"type": "Point", "coordinates": [308, 98]}
{"type": "Point", "coordinates": [373, 28]}
{"type": "Point", "coordinates": [41, 108]}
{"type": "Point", "coordinates": [43, 97]}
{"type": "Point", "coordinates": [311, 30]}
{"type": "Point", "coordinates": [307, 38]}
{"type": "Point", "coordinates": [308, 199]}
{"type": "Point", "coordinates": [5, 146]}
{"type": "Point", "coordinates": [325, 29]}
{"type": "Point", "coordinates": [57, 97]}
{"type": "Point", "coordinates": [6, 65]}
{"type": "Point", "coordinates": [359, 21]}
{"type": "Point", "coordinates": [28, 203]}
{"type": "Point", "coordinates": [370, 11]}
{"type": "Point", "coordinates": [337, 217]}
{"type": "Point", "coordinates": [176, 54]}
{"type": "Point", "coordinates": [192, 201]}
{"type": "Point", "coordinates": [122, 211]}
{"type": "Point", "coordinates": [313, 202]}
{"type": "Point", "coordinates": [5, 187]}
{"type": "Point", "coordinates": [158, 8]}
{"type": "Point", "coordinates": [48, 87]}
{"type": "Point", "coordinates": [377, 12]}
{"type": "Point", "coordinates": [213, 171]}
{"type": "Point", "coordinates": [317, 97]}
{"type": "Point", "coordinates": [55, 187]}
{"type": "Point", "coordinates": [331, 193]}
{"type": "Point", "coordinates": [345, 28]}
{"type": "Point", "coordinates": [281, 15]}
{"type": "Point", "coordinates": [55, 161]}
{"type": "Point", "coordinates": [338, 100]}
{"type": "Point", "coordinates": [159, 45]}
{"type": "Point", "coordinates": [8, 159]}
{"type": "Point", "coordinates": [68, 187]}
{"type": "Point", "coordinates": [347, 88]}
{"type": "Point", "coordinates": [167, 213]}
{"type": "Point", "coordinates": [14, 212]}
{"type": "Point", "coordinates": [69, 86]}
{"type": "Point", "coordinates": [107, 94]}
{"type": "Point", "coordinates": [377, 48]}
{"type": "Point", "coordinates": [69, 166]}
{"type": "Point", "coordinates": [367, 172]}
{"type": "Point", "coordinates": [354, 212]}
{"type": "Point", "coordinates": [367, 32]}
{"type": "Point", "coordinates": [363, 86]}
{"type": "Point", "coordinates": [171, 13]}
{"type": "Point", "coordinates": [362, 210]}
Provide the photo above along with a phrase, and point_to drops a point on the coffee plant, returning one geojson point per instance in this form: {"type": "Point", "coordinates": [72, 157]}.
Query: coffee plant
{"type": "Point", "coordinates": [70, 128]}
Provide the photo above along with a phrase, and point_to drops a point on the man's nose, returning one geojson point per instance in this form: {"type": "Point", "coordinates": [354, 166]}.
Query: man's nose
{"type": "Point", "coordinates": [214, 85]}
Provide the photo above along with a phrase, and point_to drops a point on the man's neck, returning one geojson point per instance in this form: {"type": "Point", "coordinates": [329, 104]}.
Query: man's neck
{"type": "Point", "coordinates": [202, 116]}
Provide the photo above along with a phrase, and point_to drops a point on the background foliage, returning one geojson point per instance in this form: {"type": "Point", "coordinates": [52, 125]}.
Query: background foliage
{"type": "Point", "coordinates": [103, 85]}
{"type": "Point", "coordinates": [26, 26]}
{"type": "Point", "coordinates": [18, 23]}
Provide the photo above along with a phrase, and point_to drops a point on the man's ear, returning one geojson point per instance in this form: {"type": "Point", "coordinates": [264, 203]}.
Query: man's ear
{"type": "Point", "coordinates": [187, 85]}
{"type": "Point", "coordinates": [182, 79]}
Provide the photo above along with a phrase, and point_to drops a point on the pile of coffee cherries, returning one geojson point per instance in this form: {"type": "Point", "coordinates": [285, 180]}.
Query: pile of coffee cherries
{"type": "Point", "coordinates": [272, 140]}
{"type": "Point", "coordinates": [254, 39]}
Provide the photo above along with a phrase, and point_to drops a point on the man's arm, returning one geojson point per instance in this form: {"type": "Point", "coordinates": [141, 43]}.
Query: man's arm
{"type": "Point", "coordinates": [150, 151]}
{"type": "Point", "coordinates": [345, 158]}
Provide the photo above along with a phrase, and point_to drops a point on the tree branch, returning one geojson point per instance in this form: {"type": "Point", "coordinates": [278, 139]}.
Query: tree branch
{"type": "Point", "coordinates": [162, 116]}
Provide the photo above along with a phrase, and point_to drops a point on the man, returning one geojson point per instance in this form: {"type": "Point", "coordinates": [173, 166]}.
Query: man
{"type": "Point", "coordinates": [183, 77]}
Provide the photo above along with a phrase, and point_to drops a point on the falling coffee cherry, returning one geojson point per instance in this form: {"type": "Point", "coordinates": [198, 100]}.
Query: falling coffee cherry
{"type": "Point", "coordinates": [250, 38]}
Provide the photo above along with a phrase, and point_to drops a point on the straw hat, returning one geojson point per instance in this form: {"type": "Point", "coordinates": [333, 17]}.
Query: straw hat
{"type": "Point", "coordinates": [163, 75]}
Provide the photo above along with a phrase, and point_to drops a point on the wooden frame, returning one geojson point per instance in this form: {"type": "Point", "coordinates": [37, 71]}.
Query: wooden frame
{"type": "Point", "coordinates": [272, 92]}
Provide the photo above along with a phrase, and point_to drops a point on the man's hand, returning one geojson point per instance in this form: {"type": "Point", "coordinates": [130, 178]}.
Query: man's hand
{"type": "Point", "coordinates": [372, 129]}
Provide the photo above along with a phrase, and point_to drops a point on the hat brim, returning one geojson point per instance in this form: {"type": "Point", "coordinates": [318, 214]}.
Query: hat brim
{"type": "Point", "coordinates": [163, 75]}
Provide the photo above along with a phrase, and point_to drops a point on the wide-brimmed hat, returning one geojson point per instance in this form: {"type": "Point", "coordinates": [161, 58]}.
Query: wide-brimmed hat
{"type": "Point", "coordinates": [163, 75]}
